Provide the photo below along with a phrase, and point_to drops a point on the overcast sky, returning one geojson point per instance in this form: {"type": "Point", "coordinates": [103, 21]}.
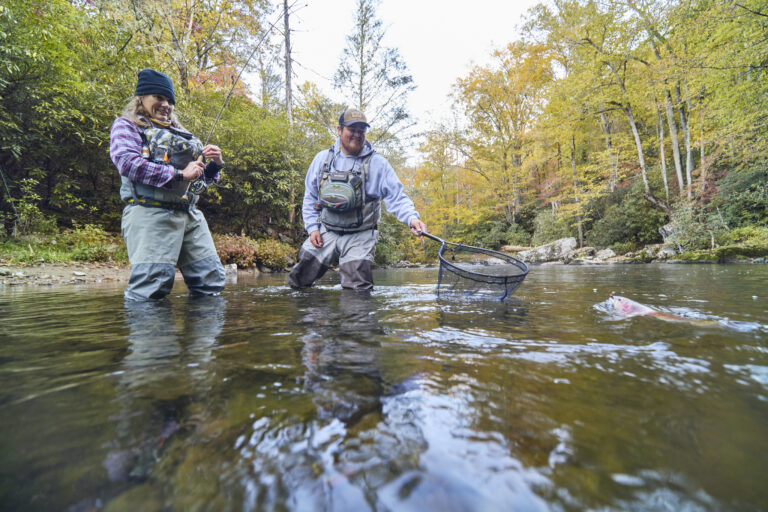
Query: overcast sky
{"type": "Point", "coordinates": [438, 40]}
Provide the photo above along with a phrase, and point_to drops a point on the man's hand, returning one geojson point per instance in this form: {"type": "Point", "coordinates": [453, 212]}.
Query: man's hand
{"type": "Point", "coordinates": [418, 227]}
{"type": "Point", "coordinates": [316, 239]}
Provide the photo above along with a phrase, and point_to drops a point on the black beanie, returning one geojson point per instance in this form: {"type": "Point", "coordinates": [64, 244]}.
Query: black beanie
{"type": "Point", "coordinates": [154, 82]}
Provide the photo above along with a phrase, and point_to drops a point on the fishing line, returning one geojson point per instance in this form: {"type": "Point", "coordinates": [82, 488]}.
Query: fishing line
{"type": "Point", "coordinates": [248, 60]}
{"type": "Point", "coordinates": [199, 184]}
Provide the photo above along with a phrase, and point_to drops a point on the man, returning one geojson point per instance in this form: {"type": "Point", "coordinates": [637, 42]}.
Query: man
{"type": "Point", "coordinates": [342, 206]}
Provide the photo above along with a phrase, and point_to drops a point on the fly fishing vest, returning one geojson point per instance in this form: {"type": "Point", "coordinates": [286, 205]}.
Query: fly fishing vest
{"type": "Point", "coordinates": [342, 197]}
{"type": "Point", "coordinates": [164, 145]}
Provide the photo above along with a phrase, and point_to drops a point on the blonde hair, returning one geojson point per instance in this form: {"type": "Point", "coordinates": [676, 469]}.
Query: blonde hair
{"type": "Point", "coordinates": [134, 110]}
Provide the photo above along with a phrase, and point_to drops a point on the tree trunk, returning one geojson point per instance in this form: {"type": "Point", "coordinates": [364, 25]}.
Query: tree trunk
{"type": "Point", "coordinates": [508, 199]}
{"type": "Point", "coordinates": [662, 155]}
{"type": "Point", "coordinates": [614, 173]}
{"type": "Point", "coordinates": [638, 145]}
{"type": "Point", "coordinates": [702, 160]}
{"type": "Point", "coordinates": [576, 190]}
{"type": "Point", "coordinates": [289, 105]}
{"type": "Point", "coordinates": [288, 65]}
{"type": "Point", "coordinates": [674, 140]}
{"type": "Point", "coordinates": [684, 125]}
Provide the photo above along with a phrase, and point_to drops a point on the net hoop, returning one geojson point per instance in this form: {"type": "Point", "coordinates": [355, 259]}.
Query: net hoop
{"type": "Point", "coordinates": [454, 279]}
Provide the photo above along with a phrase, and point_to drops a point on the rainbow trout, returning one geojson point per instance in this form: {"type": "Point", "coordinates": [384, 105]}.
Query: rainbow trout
{"type": "Point", "coordinates": [627, 308]}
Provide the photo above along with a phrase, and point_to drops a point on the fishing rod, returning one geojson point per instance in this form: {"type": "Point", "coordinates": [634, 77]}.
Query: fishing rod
{"type": "Point", "coordinates": [201, 185]}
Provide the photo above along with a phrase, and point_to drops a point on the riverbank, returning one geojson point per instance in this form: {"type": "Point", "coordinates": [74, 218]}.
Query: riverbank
{"type": "Point", "coordinates": [562, 252]}
{"type": "Point", "coordinates": [49, 274]}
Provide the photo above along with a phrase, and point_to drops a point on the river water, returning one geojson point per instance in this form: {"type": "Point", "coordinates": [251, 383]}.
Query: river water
{"type": "Point", "coordinates": [272, 399]}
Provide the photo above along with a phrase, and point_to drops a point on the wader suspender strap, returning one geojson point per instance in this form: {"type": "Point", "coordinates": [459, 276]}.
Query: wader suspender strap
{"type": "Point", "coordinates": [326, 168]}
{"type": "Point", "coordinates": [133, 184]}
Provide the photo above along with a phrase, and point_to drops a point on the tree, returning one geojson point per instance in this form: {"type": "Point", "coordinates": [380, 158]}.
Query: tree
{"type": "Point", "coordinates": [375, 78]}
{"type": "Point", "coordinates": [501, 103]}
{"type": "Point", "coordinates": [203, 39]}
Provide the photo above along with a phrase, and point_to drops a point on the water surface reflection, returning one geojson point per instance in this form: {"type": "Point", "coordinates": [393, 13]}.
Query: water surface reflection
{"type": "Point", "coordinates": [273, 399]}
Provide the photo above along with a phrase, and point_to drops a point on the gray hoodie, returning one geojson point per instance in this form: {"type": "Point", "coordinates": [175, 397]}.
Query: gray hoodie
{"type": "Point", "coordinates": [382, 183]}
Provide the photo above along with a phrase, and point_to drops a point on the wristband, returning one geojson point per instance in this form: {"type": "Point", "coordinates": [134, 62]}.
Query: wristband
{"type": "Point", "coordinates": [211, 169]}
{"type": "Point", "coordinates": [179, 175]}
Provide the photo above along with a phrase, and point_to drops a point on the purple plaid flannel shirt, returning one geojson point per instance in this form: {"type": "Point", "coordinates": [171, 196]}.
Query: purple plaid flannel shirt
{"type": "Point", "coordinates": [125, 151]}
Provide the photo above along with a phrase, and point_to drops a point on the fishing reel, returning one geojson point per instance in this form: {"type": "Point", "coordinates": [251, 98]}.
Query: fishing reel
{"type": "Point", "coordinates": [198, 186]}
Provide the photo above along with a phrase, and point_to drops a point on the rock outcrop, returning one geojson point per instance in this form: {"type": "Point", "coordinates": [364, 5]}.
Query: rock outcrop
{"type": "Point", "coordinates": [559, 250]}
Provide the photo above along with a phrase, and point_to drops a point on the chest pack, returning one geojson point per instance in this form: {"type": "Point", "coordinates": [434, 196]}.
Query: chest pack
{"type": "Point", "coordinates": [165, 145]}
{"type": "Point", "coordinates": [342, 191]}
{"type": "Point", "coordinates": [342, 199]}
{"type": "Point", "coordinates": [170, 145]}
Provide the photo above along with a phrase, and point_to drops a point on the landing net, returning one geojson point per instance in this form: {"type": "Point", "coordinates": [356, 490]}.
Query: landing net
{"type": "Point", "coordinates": [467, 271]}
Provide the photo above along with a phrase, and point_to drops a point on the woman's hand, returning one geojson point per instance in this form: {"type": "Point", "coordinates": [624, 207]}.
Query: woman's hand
{"type": "Point", "coordinates": [193, 170]}
{"type": "Point", "coordinates": [214, 153]}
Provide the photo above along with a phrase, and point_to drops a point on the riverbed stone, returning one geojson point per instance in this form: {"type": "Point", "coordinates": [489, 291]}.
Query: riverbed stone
{"type": "Point", "coordinates": [149, 495]}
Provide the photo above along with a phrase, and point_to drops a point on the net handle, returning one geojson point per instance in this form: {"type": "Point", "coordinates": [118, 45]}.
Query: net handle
{"type": "Point", "coordinates": [433, 237]}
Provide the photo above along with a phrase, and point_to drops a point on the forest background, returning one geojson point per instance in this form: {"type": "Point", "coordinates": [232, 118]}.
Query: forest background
{"type": "Point", "coordinates": [603, 120]}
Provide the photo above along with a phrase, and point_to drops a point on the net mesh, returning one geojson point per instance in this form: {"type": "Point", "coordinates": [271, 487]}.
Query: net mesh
{"type": "Point", "coordinates": [467, 271]}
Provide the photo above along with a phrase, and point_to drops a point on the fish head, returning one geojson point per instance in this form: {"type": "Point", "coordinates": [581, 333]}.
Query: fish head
{"type": "Point", "coordinates": [628, 307]}
{"type": "Point", "coordinates": [621, 304]}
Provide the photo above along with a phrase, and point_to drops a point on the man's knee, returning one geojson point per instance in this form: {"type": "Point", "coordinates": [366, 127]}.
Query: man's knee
{"type": "Point", "coordinates": [357, 274]}
{"type": "Point", "coordinates": [308, 270]}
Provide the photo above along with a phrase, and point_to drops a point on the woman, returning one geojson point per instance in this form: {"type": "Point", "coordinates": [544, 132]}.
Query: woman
{"type": "Point", "coordinates": [158, 160]}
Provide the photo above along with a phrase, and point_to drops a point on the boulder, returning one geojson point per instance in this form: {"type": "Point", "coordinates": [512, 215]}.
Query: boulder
{"type": "Point", "coordinates": [584, 252]}
{"type": "Point", "coordinates": [554, 251]}
{"type": "Point", "coordinates": [605, 254]}
{"type": "Point", "coordinates": [666, 252]}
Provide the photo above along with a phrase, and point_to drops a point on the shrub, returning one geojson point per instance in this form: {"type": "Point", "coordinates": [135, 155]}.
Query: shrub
{"type": "Point", "coordinates": [749, 235]}
{"type": "Point", "coordinates": [744, 196]}
{"type": "Point", "coordinates": [236, 249]}
{"type": "Point", "coordinates": [548, 228]}
{"type": "Point", "coordinates": [396, 243]}
{"type": "Point", "coordinates": [623, 247]}
{"type": "Point", "coordinates": [246, 252]}
{"type": "Point", "coordinates": [630, 220]}
{"type": "Point", "coordinates": [92, 243]}
{"type": "Point", "coordinates": [87, 234]}
{"type": "Point", "coordinates": [693, 228]}
{"type": "Point", "coordinates": [495, 233]}
{"type": "Point", "coordinates": [274, 254]}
